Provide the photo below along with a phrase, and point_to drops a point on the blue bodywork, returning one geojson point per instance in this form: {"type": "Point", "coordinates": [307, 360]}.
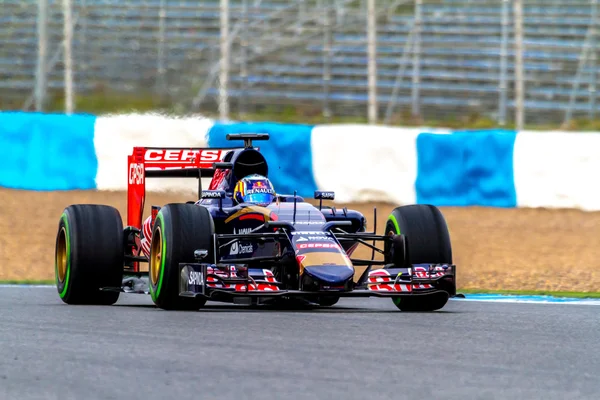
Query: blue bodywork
{"type": "Point", "coordinates": [293, 248]}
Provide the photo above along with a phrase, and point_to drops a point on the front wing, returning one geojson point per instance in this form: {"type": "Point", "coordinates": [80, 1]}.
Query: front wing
{"type": "Point", "coordinates": [247, 285]}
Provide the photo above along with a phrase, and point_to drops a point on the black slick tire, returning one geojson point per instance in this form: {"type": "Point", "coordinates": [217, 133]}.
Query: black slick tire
{"type": "Point", "coordinates": [89, 254]}
{"type": "Point", "coordinates": [179, 230]}
{"type": "Point", "coordinates": [428, 239]}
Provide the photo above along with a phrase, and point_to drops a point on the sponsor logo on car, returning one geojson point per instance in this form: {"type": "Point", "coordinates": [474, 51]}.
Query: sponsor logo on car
{"type": "Point", "coordinates": [260, 190]}
{"type": "Point", "coordinates": [174, 155]}
{"type": "Point", "coordinates": [136, 174]}
{"type": "Point", "coordinates": [310, 222]}
{"type": "Point", "coordinates": [318, 246]}
{"type": "Point", "coordinates": [242, 249]}
{"type": "Point", "coordinates": [312, 233]}
{"type": "Point", "coordinates": [212, 194]}
{"type": "Point", "coordinates": [237, 247]}
{"type": "Point", "coordinates": [314, 238]}
{"type": "Point", "coordinates": [195, 278]}
{"type": "Point", "coordinates": [324, 195]}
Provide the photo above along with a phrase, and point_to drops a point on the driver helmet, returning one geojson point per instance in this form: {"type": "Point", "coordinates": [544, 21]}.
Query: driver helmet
{"type": "Point", "coordinates": [255, 189]}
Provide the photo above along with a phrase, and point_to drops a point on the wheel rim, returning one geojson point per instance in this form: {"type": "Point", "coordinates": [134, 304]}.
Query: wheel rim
{"type": "Point", "coordinates": [387, 248]}
{"type": "Point", "coordinates": [61, 255]}
{"type": "Point", "coordinates": [155, 256]}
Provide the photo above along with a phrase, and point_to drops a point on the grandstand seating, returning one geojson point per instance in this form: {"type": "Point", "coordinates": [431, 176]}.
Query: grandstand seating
{"type": "Point", "coordinates": [116, 46]}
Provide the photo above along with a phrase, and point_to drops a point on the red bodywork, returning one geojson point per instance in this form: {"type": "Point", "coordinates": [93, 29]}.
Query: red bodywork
{"type": "Point", "coordinates": [144, 159]}
{"type": "Point", "coordinates": [147, 162]}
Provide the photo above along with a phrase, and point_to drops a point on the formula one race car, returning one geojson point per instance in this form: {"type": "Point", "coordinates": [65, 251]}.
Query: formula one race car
{"type": "Point", "coordinates": [225, 247]}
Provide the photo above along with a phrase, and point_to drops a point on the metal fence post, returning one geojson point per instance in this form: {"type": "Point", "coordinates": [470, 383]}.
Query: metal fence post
{"type": "Point", "coordinates": [402, 64]}
{"type": "Point", "coordinates": [416, 79]}
{"type": "Point", "coordinates": [160, 62]}
{"type": "Point", "coordinates": [84, 59]}
{"type": "Point", "coordinates": [372, 68]}
{"type": "Point", "coordinates": [224, 63]}
{"type": "Point", "coordinates": [593, 61]}
{"type": "Point", "coordinates": [503, 63]}
{"type": "Point", "coordinates": [244, 58]}
{"type": "Point", "coordinates": [519, 78]}
{"type": "Point", "coordinates": [585, 56]}
{"type": "Point", "coordinates": [42, 40]}
{"type": "Point", "coordinates": [68, 57]}
{"type": "Point", "coordinates": [327, 44]}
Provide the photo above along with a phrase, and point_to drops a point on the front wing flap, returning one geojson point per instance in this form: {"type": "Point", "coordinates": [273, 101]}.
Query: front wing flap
{"type": "Point", "coordinates": [416, 279]}
{"type": "Point", "coordinates": [224, 282]}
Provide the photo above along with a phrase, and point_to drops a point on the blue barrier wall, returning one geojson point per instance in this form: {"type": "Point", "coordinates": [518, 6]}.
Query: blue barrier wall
{"type": "Point", "coordinates": [47, 151]}
{"type": "Point", "coordinates": [466, 168]}
{"type": "Point", "coordinates": [288, 152]}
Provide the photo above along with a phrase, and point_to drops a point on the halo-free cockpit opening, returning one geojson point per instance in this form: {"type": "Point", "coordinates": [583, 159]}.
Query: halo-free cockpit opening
{"type": "Point", "coordinates": [250, 162]}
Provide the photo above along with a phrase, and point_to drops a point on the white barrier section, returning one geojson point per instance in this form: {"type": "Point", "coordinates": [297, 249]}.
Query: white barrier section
{"type": "Point", "coordinates": [116, 135]}
{"type": "Point", "coordinates": [364, 163]}
{"type": "Point", "coordinates": [557, 169]}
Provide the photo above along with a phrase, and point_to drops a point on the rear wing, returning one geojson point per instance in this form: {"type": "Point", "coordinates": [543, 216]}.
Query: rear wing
{"type": "Point", "coordinates": [169, 162]}
{"type": "Point", "coordinates": [177, 162]}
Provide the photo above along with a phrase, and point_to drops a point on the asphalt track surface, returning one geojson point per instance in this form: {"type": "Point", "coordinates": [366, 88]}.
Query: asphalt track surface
{"type": "Point", "coordinates": [359, 349]}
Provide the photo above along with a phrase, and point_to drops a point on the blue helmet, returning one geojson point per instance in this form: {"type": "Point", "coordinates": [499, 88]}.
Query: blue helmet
{"type": "Point", "coordinates": [254, 189]}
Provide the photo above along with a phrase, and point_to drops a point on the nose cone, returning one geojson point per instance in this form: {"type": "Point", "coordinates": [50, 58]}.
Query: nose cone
{"type": "Point", "coordinates": [332, 274]}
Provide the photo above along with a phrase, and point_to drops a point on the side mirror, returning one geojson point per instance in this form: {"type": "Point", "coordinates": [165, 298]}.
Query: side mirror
{"type": "Point", "coordinates": [323, 195]}
{"type": "Point", "coordinates": [200, 254]}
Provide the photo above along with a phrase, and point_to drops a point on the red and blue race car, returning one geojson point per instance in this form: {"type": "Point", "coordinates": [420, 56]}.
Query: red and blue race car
{"type": "Point", "coordinates": [220, 248]}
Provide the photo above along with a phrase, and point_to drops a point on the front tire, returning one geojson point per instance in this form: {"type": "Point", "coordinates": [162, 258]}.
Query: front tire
{"type": "Point", "coordinates": [328, 301]}
{"type": "Point", "coordinates": [428, 243]}
{"type": "Point", "coordinates": [179, 230]}
{"type": "Point", "coordinates": [89, 254]}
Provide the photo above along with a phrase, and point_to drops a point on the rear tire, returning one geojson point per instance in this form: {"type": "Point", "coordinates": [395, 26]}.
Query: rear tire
{"type": "Point", "coordinates": [179, 230]}
{"type": "Point", "coordinates": [89, 254]}
{"type": "Point", "coordinates": [428, 243]}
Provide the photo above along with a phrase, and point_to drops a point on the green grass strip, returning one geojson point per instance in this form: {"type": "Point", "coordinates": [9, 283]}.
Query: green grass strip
{"type": "Point", "coordinates": [578, 295]}
{"type": "Point", "coordinates": [28, 282]}
{"type": "Point", "coordinates": [102, 101]}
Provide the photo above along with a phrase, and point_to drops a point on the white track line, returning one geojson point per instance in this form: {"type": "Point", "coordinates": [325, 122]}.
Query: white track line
{"type": "Point", "coordinates": [553, 300]}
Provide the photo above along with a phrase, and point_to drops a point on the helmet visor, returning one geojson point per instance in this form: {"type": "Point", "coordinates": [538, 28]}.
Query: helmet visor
{"type": "Point", "coordinates": [259, 198]}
